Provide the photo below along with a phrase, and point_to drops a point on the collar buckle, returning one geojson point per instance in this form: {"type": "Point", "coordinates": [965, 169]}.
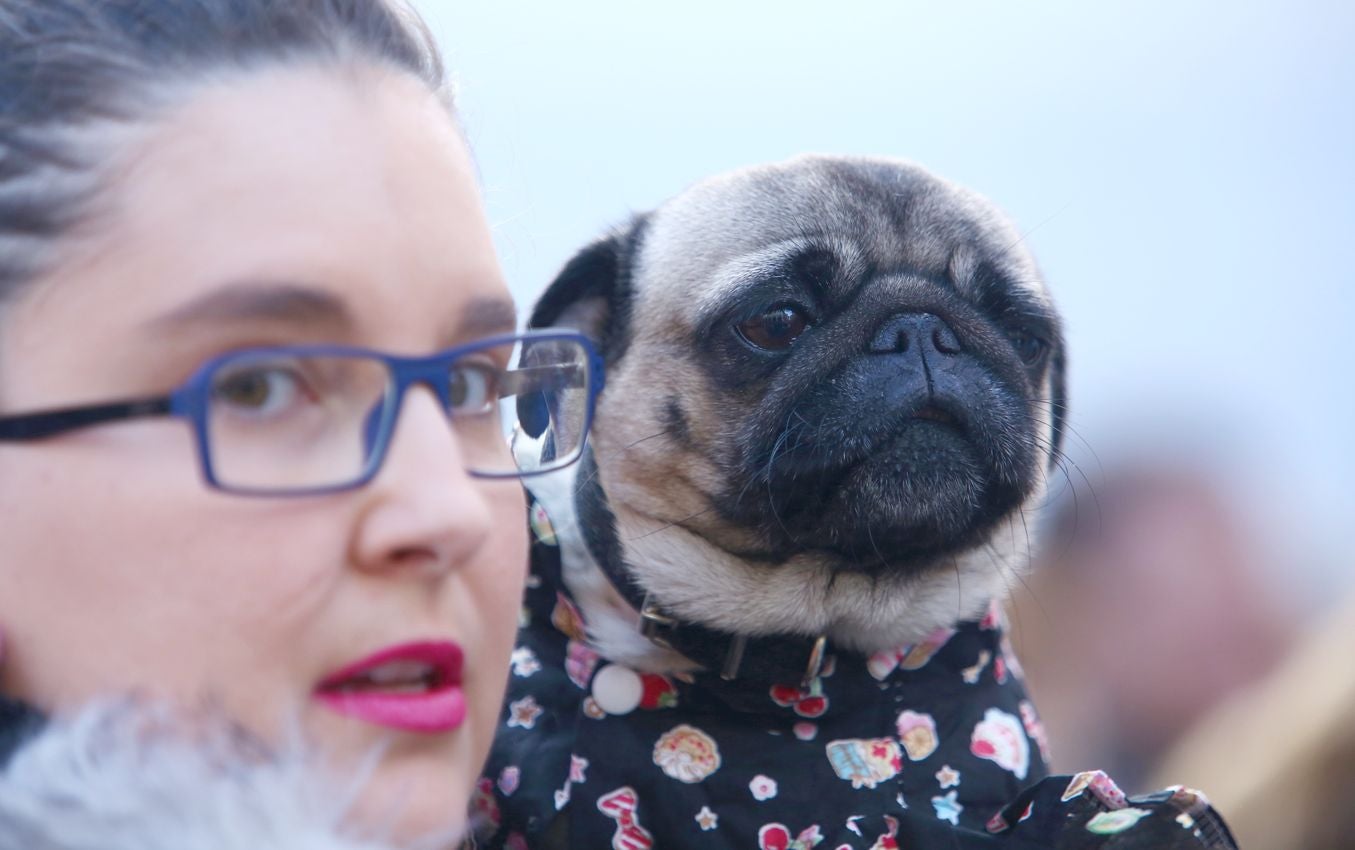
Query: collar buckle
{"type": "Point", "coordinates": [815, 665]}
{"type": "Point", "coordinates": [733, 658]}
{"type": "Point", "coordinates": [655, 625]}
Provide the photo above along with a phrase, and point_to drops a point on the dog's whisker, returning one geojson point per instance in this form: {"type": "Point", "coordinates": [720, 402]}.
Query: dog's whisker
{"type": "Point", "coordinates": [658, 433]}
{"type": "Point", "coordinates": [743, 491]}
{"type": "Point", "coordinates": [1096, 499]}
{"type": "Point", "coordinates": [669, 525]}
{"type": "Point", "coordinates": [771, 460]}
{"type": "Point", "coordinates": [999, 562]}
{"type": "Point", "coordinates": [959, 593]}
{"type": "Point", "coordinates": [1062, 460]}
{"type": "Point", "coordinates": [870, 535]}
{"type": "Point", "coordinates": [1051, 496]}
{"type": "Point", "coordinates": [1026, 235]}
{"type": "Point", "coordinates": [607, 456]}
{"type": "Point", "coordinates": [1071, 428]}
{"type": "Point", "coordinates": [1017, 573]}
{"type": "Point", "coordinates": [1025, 585]}
{"type": "Point", "coordinates": [1069, 487]}
{"type": "Point", "coordinates": [1026, 529]}
{"type": "Point", "coordinates": [996, 560]}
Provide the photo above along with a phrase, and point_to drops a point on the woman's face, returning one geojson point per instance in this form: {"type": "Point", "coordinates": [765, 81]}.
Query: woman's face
{"type": "Point", "coordinates": [291, 206]}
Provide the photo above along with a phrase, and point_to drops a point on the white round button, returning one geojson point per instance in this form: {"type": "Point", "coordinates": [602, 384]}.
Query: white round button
{"type": "Point", "coordinates": [617, 689]}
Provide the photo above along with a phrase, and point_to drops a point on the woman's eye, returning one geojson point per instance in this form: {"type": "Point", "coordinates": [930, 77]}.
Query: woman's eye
{"type": "Point", "coordinates": [1029, 348]}
{"type": "Point", "coordinates": [258, 391]}
{"type": "Point", "coordinates": [474, 388]}
{"type": "Point", "coordinates": [775, 330]}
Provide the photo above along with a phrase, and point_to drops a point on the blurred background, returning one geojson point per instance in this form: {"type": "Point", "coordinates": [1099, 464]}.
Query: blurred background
{"type": "Point", "coordinates": [1185, 173]}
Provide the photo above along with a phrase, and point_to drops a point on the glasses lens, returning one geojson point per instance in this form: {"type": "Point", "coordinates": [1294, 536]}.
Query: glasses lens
{"type": "Point", "coordinates": [280, 422]}
{"type": "Point", "coordinates": [284, 422]}
{"type": "Point", "coordinates": [542, 408]}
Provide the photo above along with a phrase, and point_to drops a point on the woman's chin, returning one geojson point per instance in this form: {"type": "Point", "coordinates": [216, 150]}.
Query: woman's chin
{"type": "Point", "coordinates": [407, 787]}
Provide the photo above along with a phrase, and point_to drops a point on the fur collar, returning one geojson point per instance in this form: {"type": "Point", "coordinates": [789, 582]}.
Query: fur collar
{"type": "Point", "coordinates": [129, 776]}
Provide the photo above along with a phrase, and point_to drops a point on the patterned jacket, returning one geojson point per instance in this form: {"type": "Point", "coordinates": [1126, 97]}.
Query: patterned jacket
{"type": "Point", "coordinates": [934, 745]}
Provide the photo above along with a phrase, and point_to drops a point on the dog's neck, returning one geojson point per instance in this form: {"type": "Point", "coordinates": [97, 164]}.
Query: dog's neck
{"type": "Point", "coordinates": [772, 658]}
{"type": "Point", "coordinates": [627, 626]}
{"type": "Point", "coordinates": [613, 623]}
{"type": "Point", "coordinates": [615, 555]}
{"type": "Point", "coordinates": [622, 624]}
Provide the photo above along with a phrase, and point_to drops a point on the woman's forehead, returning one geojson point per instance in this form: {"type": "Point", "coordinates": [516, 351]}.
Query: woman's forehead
{"type": "Point", "coordinates": [290, 190]}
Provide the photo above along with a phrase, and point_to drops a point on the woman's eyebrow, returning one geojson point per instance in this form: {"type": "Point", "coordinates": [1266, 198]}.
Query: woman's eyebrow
{"type": "Point", "coordinates": [278, 302]}
{"type": "Point", "coordinates": [486, 315]}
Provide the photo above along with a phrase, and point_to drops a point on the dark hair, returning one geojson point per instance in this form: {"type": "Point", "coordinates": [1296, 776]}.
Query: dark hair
{"type": "Point", "coordinates": [74, 74]}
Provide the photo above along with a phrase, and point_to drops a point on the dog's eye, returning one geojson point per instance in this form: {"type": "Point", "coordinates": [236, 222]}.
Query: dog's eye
{"type": "Point", "coordinates": [776, 329]}
{"type": "Point", "coordinates": [1029, 348]}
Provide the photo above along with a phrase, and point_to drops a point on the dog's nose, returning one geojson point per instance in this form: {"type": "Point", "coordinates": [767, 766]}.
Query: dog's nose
{"type": "Point", "coordinates": [927, 331]}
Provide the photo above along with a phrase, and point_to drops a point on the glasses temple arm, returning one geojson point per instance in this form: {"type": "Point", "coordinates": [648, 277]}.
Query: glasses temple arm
{"type": "Point", "coordinates": [537, 379]}
{"type": "Point", "coordinates": [35, 426]}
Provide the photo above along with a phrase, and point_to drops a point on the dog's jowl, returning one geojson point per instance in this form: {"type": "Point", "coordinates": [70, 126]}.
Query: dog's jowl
{"type": "Point", "coordinates": [764, 609]}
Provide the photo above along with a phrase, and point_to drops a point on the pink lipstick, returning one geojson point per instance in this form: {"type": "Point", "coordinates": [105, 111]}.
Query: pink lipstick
{"type": "Point", "coordinates": [412, 686]}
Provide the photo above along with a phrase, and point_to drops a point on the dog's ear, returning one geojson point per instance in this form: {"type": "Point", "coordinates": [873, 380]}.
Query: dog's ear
{"type": "Point", "coordinates": [592, 293]}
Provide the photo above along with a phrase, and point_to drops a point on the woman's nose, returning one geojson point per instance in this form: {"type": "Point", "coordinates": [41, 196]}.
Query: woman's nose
{"type": "Point", "coordinates": [422, 512]}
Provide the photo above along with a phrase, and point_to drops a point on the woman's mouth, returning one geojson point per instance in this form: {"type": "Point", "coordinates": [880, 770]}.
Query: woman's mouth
{"type": "Point", "coordinates": [412, 686]}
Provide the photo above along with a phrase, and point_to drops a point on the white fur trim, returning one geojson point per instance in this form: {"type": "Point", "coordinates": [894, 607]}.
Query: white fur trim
{"type": "Point", "coordinates": [125, 776]}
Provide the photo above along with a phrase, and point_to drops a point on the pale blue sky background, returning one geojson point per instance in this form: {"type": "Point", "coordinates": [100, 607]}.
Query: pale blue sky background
{"type": "Point", "coordinates": [1185, 171]}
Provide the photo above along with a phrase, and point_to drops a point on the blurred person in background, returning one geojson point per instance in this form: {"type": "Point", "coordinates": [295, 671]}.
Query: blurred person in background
{"type": "Point", "coordinates": [1151, 603]}
{"type": "Point", "coordinates": [1279, 755]}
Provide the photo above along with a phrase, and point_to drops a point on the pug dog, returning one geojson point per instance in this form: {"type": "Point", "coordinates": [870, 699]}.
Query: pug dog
{"type": "Point", "coordinates": [763, 606]}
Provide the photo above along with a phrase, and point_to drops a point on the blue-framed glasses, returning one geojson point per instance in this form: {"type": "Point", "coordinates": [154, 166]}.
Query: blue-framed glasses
{"type": "Point", "coordinates": [297, 420]}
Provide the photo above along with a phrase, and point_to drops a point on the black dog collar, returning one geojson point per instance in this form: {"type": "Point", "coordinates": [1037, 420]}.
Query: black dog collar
{"type": "Point", "coordinates": [770, 659]}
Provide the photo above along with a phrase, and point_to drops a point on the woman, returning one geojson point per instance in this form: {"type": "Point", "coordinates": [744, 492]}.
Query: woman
{"type": "Point", "coordinates": [237, 238]}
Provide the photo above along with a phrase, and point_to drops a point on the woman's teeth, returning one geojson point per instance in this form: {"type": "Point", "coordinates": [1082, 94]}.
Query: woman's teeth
{"type": "Point", "coordinates": [397, 677]}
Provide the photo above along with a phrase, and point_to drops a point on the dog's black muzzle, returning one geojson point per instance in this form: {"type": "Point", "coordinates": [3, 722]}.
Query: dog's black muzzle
{"type": "Point", "coordinates": [908, 451]}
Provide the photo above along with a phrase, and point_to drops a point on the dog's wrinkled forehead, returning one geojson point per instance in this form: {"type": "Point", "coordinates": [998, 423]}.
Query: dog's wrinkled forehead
{"type": "Point", "coordinates": [872, 214]}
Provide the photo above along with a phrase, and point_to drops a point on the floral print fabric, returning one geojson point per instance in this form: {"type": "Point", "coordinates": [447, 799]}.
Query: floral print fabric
{"type": "Point", "coordinates": [930, 745]}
